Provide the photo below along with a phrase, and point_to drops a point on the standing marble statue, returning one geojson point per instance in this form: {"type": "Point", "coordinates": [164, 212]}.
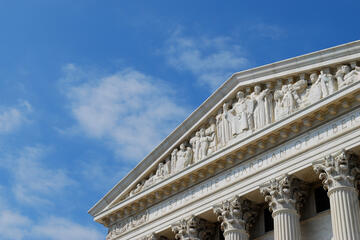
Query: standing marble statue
{"type": "Point", "coordinates": [327, 82]}
{"type": "Point", "coordinates": [204, 143]}
{"type": "Point", "coordinates": [223, 125]}
{"type": "Point", "coordinates": [340, 74]}
{"type": "Point", "coordinates": [240, 121]}
{"type": "Point", "coordinates": [211, 131]}
{"type": "Point", "coordinates": [188, 157]}
{"type": "Point", "coordinates": [269, 104]}
{"type": "Point", "coordinates": [195, 143]}
{"type": "Point", "coordinates": [278, 96]}
{"type": "Point", "coordinates": [258, 96]}
{"type": "Point", "coordinates": [173, 160]}
{"type": "Point", "coordinates": [314, 94]}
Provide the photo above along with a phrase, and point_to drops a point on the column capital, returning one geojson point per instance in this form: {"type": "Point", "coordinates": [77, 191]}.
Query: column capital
{"type": "Point", "coordinates": [340, 170]}
{"type": "Point", "coordinates": [192, 228]}
{"type": "Point", "coordinates": [236, 214]}
{"type": "Point", "coordinates": [285, 194]}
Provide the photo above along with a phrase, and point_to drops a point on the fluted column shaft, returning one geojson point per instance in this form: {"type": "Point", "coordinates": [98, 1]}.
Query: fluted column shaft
{"type": "Point", "coordinates": [236, 235]}
{"type": "Point", "coordinates": [286, 225]}
{"type": "Point", "coordinates": [345, 213]}
{"type": "Point", "coordinates": [285, 197]}
{"type": "Point", "coordinates": [338, 173]}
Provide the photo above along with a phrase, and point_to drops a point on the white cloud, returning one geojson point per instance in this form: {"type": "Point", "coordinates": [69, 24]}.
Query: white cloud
{"type": "Point", "coordinates": [13, 225]}
{"type": "Point", "coordinates": [12, 118]}
{"type": "Point", "coordinates": [32, 182]}
{"type": "Point", "coordinates": [267, 30]}
{"type": "Point", "coordinates": [55, 228]}
{"type": "Point", "coordinates": [130, 110]}
{"type": "Point", "coordinates": [210, 60]}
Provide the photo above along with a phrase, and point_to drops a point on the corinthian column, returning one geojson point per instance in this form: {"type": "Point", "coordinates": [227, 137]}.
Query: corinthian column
{"type": "Point", "coordinates": [236, 216]}
{"type": "Point", "coordinates": [285, 197]}
{"type": "Point", "coordinates": [338, 174]}
{"type": "Point", "coordinates": [193, 228]}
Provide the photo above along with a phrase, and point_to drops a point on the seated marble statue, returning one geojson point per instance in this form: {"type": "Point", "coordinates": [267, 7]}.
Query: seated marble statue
{"type": "Point", "coordinates": [352, 77]}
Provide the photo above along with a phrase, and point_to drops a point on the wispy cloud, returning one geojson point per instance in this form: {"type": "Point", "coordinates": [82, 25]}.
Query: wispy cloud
{"type": "Point", "coordinates": [13, 225]}
{"type": "Point", "coordinates": [266, 30]}
{"type": "Point", "coordinates": [131, 111]}
{"type": "Point", "coordinates": [13, 117]}
{"type": "Point", "coordinates": [31, 181]}
{"type": "Point", "coordinates": [210, 59]}
{"type": "Point", "coordinates": [55, 228]}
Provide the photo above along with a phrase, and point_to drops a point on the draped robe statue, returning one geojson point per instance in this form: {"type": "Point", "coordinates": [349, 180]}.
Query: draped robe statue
{"type": "Point", "coordinates": [204, 143]}
{"type": "Point", "coordinates": [211, 131]}
{"type": "Point", "coordinates": [315, 92]}
{"type": "Point", "coordinates": [182, 158]}
{"type": "Point", "coordinates": [260, 109]}
{"type": "Point", "coordinates": [346, 77]}
{"type": "Point", "coordinates": [223, 125]}
{"type": "Point", "coordinates": [195, 143]}
{"type": "Point", "coordinates": [278, 96]}
{"type": "Point", "coordinates": [240, 121]}
{"type": "Point", "coordinates": [269, 105]}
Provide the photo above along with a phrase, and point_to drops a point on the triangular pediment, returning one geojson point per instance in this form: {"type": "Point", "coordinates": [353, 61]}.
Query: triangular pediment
{"type": "Point", "coordinates": [250, 108]}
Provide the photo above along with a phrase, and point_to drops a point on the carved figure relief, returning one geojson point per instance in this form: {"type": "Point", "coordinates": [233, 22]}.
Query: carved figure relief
{"type": "Point", "coordinates": [204, 143]}
{"type": "Point", "coordinates": [327, 82]}
{"type": "Point", "coordinates": [345, 76]}
{"type": "Point", "coordinates": [241, 118]}
{"type": "Point", "coordinates": [278, 96]}
{"type": "Point", "coordinates": [258, 97]}
{"type": "Point", "coordinates": [132, 222]}
{"type": "Point", "coordinates": [183, 158]}
{"type": "Point", "coordinates": [251, 111]}
{"type": "Point", "coordinates": [314, 93]}
{"type": "Point", "coordinates": [211, 131]}
{"type": "Point", "coordinates": [195, 143]}
{"type": "Point", "coordinates": [223, 125]}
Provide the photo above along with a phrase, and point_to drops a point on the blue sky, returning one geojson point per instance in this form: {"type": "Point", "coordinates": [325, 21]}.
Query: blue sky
{"type": "Point", "coordinates": [88, 88]}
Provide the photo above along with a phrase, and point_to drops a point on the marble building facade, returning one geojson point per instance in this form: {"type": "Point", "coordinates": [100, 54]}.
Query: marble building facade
{"type": "Point", "coordinates": [272, 154]}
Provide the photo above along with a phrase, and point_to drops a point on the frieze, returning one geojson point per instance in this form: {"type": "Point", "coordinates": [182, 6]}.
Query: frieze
{"type": "Point", "coordinates": [124, 226]}
{"type": "Point", "coordinates": [304, 142]}
{"type": "Point", "coordinates": [253, 108]}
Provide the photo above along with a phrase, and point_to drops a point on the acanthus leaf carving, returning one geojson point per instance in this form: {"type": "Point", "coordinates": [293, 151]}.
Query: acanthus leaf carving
{"type": "Point", "coordinates": [193, 228]}
{"type": "Point", "coordinates": [338, 170]}
{"type": "Point", "coordinates": [236, 214]}
{"type": "Point", "coordinates": [286, 192]}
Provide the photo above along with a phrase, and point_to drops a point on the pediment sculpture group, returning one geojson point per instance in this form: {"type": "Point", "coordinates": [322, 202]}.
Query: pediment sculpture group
{"type": "Point", "coordinates": [251, 110]}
